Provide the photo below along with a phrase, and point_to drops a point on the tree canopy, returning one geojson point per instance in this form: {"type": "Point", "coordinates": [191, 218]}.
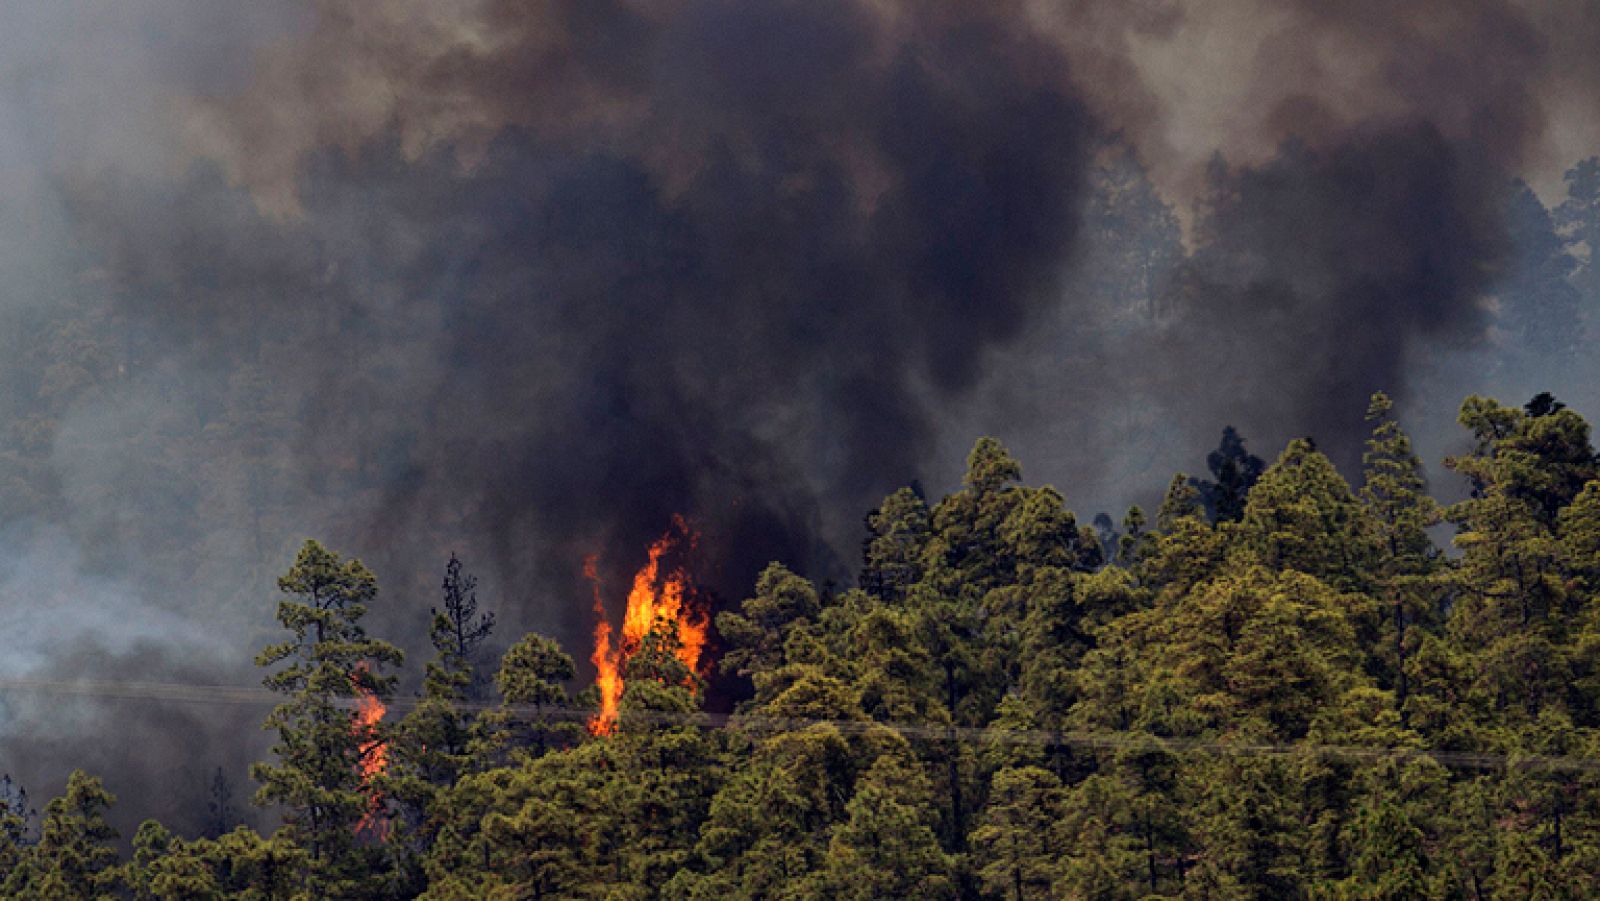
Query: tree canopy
{"type": "Point", "coordinates": [1280, 688]}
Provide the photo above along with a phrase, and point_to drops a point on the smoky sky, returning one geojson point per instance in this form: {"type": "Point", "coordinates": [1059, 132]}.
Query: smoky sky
{"type": "Point", "coordinates": [523, 280]}
{"type": "Point", "coordinates": [569, 340]}
{"type": "Point", "coordinates": [1324, 270]}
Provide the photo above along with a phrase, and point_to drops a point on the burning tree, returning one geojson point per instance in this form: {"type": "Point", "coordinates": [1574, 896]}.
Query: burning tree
{"type": "Point", "coordinates": [662, 603]}
{"type": "Point", "coordinates": [329, 745]}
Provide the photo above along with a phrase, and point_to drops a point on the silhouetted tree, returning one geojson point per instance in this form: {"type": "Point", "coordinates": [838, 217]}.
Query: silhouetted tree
{"type": "Point", "coordinates": [1233, 471]}
{"type": "Point", "coordinates": [458, 632]}
{"type": "Point", "coordinates": [221, 816]}
{"type": "Point", "coordinates": [1578, 218]}
{"type": "Point", "coordinates": [1539, 306]}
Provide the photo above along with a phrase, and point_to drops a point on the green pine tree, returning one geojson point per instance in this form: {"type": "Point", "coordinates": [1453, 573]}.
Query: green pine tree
{"type": "Point", "coordinates": [74, 857]}
{"type": "Point", "coordinates": [321, 669]}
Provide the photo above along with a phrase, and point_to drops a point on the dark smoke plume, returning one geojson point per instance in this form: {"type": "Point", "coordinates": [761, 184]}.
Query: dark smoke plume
{"type": "Point", "coordinates": [1323, 272]}
{"type": "Point", "coordinates": [1374, 230]}
{"type": "Point", "coordinates": [804, 225]}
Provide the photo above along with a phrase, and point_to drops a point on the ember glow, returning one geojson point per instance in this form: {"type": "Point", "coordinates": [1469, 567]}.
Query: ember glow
{"type": "Point", "coordinates": [374, 756]}
{"type": "Point", "coordinates": [662, 592]}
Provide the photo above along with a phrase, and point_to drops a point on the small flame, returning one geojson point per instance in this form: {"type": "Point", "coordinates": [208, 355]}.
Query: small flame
{"type": "Point", "coordinates": [373, 758]}
{"type": "Point", "coordinates": [656, 596]}
{"type": "Point", "coordinates": [608, 672]}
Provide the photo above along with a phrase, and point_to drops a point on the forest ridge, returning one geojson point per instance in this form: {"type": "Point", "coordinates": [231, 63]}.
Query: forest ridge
{"type": "Point", "coordinates": [1279, 686]}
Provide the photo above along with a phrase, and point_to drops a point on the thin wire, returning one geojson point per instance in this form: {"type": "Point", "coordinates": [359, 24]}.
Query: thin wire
{"type": "Point", "coordinates": [755, 723]}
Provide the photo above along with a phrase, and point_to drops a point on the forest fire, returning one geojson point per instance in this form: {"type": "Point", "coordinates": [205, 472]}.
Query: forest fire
{"type": "Point", "coordinates": [661, 593]}
{"type": "Point", "coordinates": [374, 755]}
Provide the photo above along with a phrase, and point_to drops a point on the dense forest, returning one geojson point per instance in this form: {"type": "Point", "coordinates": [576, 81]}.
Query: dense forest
{"type": "Point", "coordinates": [1280, 685]}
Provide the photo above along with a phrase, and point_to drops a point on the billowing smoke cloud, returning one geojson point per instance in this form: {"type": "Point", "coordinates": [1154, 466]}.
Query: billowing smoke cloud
{"type": "Point", "coordinates": [522, 280]}
{"type": "Point", "coordinates": [1348, 202]}
{"type": "Point", "coordinates": [1375, 231]}
{"type": "Point", "coordinates": [64, 624]}
{"type": "Point", "coordinates": [1323, 272]}
{"type": "Point", "coordinates": [744, 268]}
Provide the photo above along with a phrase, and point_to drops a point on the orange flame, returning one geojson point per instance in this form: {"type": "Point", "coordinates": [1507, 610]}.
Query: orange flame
{"type": "Point", "coordinates": [656, 596]}
{"type": "Point", "coordinates": [608, 672]}
{"type": "Point", "coordinates": [373, 758]}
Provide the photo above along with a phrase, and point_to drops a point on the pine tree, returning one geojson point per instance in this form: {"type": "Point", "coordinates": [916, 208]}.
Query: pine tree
{"type": "Point", "coordinates": [1134, 540]}
{"type": "Point", "coordinates": [531, 681]}
{"type": "Point", "coordinates": [1391, 859]}
{"type": "Point", "coordinates": [1400, 512]}
{"type": "Point", "coordinates": [1186, 549]}
{"type": "Point", "coordinates": [74, 857]}
{"type": "Point", "coordinates": [897, 541]}
{"type": "Point", "coordinates": [166, 868]}
{"type": "Point", "coordinates": [1578, 219]}
{"type": "Point", "coordinates": [436, 741]}
{"type": "Point", "coordinates": [885, 849]}
{"type": "Point", "coordinates": [1234, 471]}
{"type": "Point", "coordinates": [1103, 856]}
{"type": "Point", "coordinates": [1181, 501]}
{"type": "Point", "coordinates": [754, 637]}
{"type": "Point", "coordinates": [327, 663]}
{"type": "Point", "coordinates": [457, 632]}
{"type": "Point", "coordinates": [16, 818]}
{"type": "Point", "coordinates": [1515, 611]}
{"type": "Point", "coordinates": [768, 828]}
{"type": "Point", "coordinates": [1017, 847]}
{"type": "Point", "coordinates": [1302, 515]}
{"type": "Point", "coordinates": [249, 866]}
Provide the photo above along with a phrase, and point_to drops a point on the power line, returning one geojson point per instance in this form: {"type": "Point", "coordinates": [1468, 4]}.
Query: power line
{"type": "Point", "coordinates": [1087, 740]}
{"type": "Point", "coordinates": [144, 691]}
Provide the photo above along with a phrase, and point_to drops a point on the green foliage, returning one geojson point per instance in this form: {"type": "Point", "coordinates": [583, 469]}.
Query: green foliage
{"type": "Point", "coordinates": [1302, 516]}
{"type": "Point", "coordinates": [1299, 696]}
{"type": "Point", "coordinates": [897, 541]}
{"type": "Point", "coordinates": [439, 740]}
{"type": "Point", "coordinates": [74, 857]}
{"type": "Point", "coordinates": [1407, 565]}
{"type": "Point", "coordinates": [755, 636]}
{"type": "Point", "coordinates": [165, 867]}
{"type": "Point", "coordinates": [327, 663]}
{"type": "Point", "coordinates": [536, 713]}
{"type": "Point", "coordinates": [885, 848]}
{"type": "Point", "coordinates": [1020, 835]}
